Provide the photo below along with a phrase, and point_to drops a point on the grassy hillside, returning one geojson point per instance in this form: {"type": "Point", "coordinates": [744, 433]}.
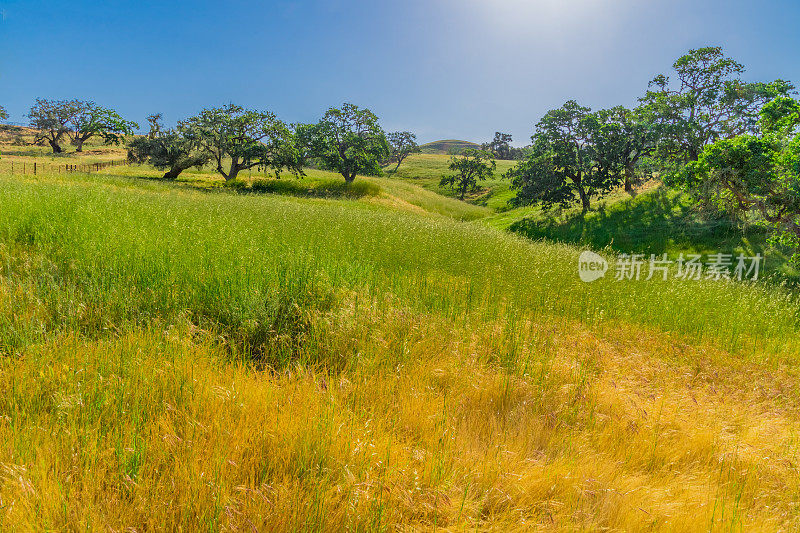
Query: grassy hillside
{"type": "Point", "coordinates": [217, 359]}
{"type": "Point", "coordinates": [426, 170]}
{"type": "Point", "coordinates": [657, 221]}
{"type": "Point", "coordinates": [297, 354]}
{"type": "Point", "coordinates": [446, 147]}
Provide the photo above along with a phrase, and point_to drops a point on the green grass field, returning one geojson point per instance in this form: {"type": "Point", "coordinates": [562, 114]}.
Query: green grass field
{"type": "Point", "coordinates": [300, 355]}
{"type": "Point", "coordinates": [426, 170]}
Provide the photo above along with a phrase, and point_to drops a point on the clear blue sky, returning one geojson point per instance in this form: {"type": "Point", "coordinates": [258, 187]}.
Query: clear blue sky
{"type": "Point", "coordinates": [440, 68]}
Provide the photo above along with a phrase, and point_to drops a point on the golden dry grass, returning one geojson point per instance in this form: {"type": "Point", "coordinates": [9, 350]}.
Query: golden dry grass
{"type": "Point", "coordinates": [614, 429]}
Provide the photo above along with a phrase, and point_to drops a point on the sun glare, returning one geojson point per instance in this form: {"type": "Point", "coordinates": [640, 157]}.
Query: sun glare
{"type": "Point", "coordinates": [509, 14]}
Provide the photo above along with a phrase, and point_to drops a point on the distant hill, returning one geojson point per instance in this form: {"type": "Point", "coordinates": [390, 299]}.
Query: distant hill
{"type": "Point", "coordinates": [448, 146]}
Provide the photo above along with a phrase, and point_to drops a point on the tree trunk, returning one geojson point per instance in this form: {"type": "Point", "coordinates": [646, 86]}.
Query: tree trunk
{"type": "Point", "coordinates": [173, 173]}
{"type": "Point", "coordinates": [232, 174]}
{"type": "Point", "coordinates": [350, 177]}
{"type": "Point", "coordinates": [629, 178]}
{"type": "Point", "coordinates": [584, 200]}
{"type": "Point", "coordinates": [55, 146]}
{"type": "Point", "coordinates": [578, 181]}
{"type": "Point", "coordinates": [79, 146]}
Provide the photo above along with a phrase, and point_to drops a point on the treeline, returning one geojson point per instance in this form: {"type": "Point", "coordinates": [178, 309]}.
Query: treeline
{"type": "Point", "coordinates": [732, 145]}
{"type": "Point", "coordinates": [578, 154]}
{"type": "Point", "coordinates": [348, 140]}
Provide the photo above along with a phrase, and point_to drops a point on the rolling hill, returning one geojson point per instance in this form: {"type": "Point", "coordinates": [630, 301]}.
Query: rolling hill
{"type": "Point", "coordinates": [447, 147]}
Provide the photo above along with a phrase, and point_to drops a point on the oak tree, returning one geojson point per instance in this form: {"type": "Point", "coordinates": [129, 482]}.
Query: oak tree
{"type": "Point", "coordinates": [572, 159]}
{"type": "Point", "coordinates": [92, 120]}
{"type": "Point", "coordinates": [167, 149]}
{"type": "Point", "coordinates": [500, 146]}
{"type": "Point", "coordinates": [705, 101]}
{"type": "Point", "coordinates": [236, 139]}
{"type": "Point", "coordinates": [156, 127]}
{"type": "Point", "coordinates": [53, 120]}
{"type": "Point", "coordinates": [627, 137]}
{"type": "Point", "coordinates": [755, 175]}
{"type": "Point", "coordinates": [468, 169]}
{"type": "Point", "coordinates": [348, 140]}
{"type": "Point", "coordinates": [401, 145]}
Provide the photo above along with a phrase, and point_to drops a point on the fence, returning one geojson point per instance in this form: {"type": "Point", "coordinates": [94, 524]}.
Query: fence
{"type": "Point", "coordinates": [37, 167]}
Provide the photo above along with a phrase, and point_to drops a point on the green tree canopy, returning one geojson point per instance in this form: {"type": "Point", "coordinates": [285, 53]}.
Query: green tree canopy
{"type": "Point", "coordinates": [780, 116]}
{"type": "Point", "coordinates": [154, 122]}
{"type": "Point", "coordinates": [500, 146]}
{"type": "Point", "coordinates": [627, 137]}
{"type": "Point", "coordinates": [755, 175]}
{"type": "Point", "coordinates": [401, 145]}
{"type": "Point", "coordinates": [468, 169]}
{"type": "Point", "coordinates": [53, 119]}
{"type": "Point", "coordinates": [78, 120]}
{"type": "Point", "coordinates": [347, 140]}
{"type": "Point", "coordinates": [706, 101]}
{"type": "Point", "coordinates": [167, 149]}
{"type": "Point", "coordinates": [573, 159]}
{"type": "Point", "coordinates": [92, 120]}
{"type": "Point", "coordinates": [242, 139]}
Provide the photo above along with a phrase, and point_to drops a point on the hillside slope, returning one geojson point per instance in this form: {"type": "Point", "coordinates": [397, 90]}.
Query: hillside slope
{"type": "Point", "coordinates": [447, 147]}
{"type": "Point", "coordinates": [191, 357]}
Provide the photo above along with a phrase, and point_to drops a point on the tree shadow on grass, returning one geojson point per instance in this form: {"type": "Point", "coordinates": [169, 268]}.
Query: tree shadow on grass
{"type": "Point", "coordinates": [328, 188]}
{"type": "Point", "coordinates": [653, 223]}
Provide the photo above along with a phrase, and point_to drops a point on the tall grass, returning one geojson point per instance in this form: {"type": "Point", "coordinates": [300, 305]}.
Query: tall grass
{"type": "Point", "coordinates": [180, 359]}
{"type": "Point", "coordinates": [129, 256]}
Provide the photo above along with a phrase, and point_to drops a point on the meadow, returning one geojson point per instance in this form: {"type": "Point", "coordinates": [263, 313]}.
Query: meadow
{"type": "Point", "coordinates": [288, 355]}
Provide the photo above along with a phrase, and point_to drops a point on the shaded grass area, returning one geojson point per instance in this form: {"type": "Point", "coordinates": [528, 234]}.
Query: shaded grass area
{"type": "Point", "coordinates": [320, 188]}
{"type": "Point", "coordinates": [382, 192]}
{"type": "Point", "coordinates": [656, 222]}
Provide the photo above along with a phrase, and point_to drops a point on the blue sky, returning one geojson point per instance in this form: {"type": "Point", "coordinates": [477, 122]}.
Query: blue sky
{"type": "Point", "coordinates": [441, 68]}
